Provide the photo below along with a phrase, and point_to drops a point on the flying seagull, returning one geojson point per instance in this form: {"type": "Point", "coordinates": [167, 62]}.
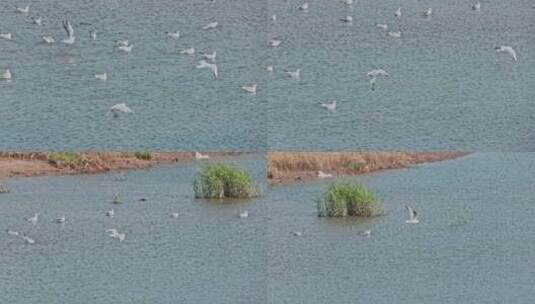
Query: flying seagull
{"type": "Point", "coordinates": [373, 74]}
{"type": "Point", "coordinates": [6, 36]}
{"type": "Point", "coordinates": [249, 88]}
{"type": "Point", "coordinates": [413, 216]}
{"type": "Point", "coordinates": [347, 19]}
{"type": "Point", "coordinates": [428, 13]}
{"type": "Point", "coordinates": [304, 7]}
{"type": "Point", "coordinates": [381, 26]}
{"type": "Point", "coordinates": [506, 49]}
{"type": "Point", "coordinates": [33, 219]}
{"type": "Point", "coordinates": [38, 21]}
{"type": "Point", "coordinates": [110, 213]}
{"type": "Point", "coordinates": [210, 56]}
{"type": "Point", "coordinates": [174, 35]}
{"type": "Point", "coordinates": [23, 10]}
{"type": "Point", "coordinates": [274, 42]}
{"type": "Point", "coordinates": [6, 75]}
{"type": "Point", "coordinates": [28, 240]}
{"type": "Point", "coordinates": [114, 234]}
{"type": "Point", "coordinates": [294, 74]}
{"type": "Point", "coordinates": [49, 39]}
{"type": "Point", "coordinates": [476, 6]}
{"type": "Point", "coordinates": [70, 32]}
{"type": "Point", "coordinates": [330, 106]}
{"type": "Point", "coordinates": [60, 220]}
{"type": "Point", "coordinates": [209, 26]}
{"type": "Point", "coordinates": [120, 107]}
{"type": "Point", "coordinates": [103, 76]}
{"type": "Point", "coordinates": [365, 233]}
{"type": "Point", "coordinates": [213, 67]}
{"type": "Point", "coordinates": [394, 34]}
{"type": "Point", "coordinates": [188, 51]}
{"type": "Point", "coordinates": [12, 233]}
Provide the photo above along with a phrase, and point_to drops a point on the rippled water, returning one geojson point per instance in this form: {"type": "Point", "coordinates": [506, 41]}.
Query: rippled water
{"type": "Point", "coordinates": [447, 89]}
{"type": "Point", "coordinates": [474, 243]}
{"type": "Point", "coordinates": [207, 255]}
{"type": "Point", "coordinates": [54, 101]}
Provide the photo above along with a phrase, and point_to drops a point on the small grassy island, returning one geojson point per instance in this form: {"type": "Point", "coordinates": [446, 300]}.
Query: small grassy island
{"type": "Point", "coordinates": [224, 181]}
{"type": "Point", "coordinates": [348, 200]}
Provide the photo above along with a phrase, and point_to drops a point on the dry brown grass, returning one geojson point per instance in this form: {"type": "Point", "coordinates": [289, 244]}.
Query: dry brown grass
{"type": "Point", "coordinates": [288, 166]}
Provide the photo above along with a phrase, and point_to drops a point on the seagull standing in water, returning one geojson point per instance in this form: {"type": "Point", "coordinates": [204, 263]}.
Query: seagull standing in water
{"type": "Point", "coordinates": [209, 26]}
{"type": "Point", "coordinates": [413, 216]}
{"type": "Point", "coordinates": [6, 36]}
{"type": "Point", "coordinates": [174, 35]}
{"type": "Point", "coordinates": [274, 42]}
{"type": "Point", "coordinates": [330, 106]}
{"type": "Point", "coordinates": [506, 49]}
{"type": "Point", "coordinates": [397, 13]}
{"type": "Point", "coordinates": [249, 88]}
{"type": "Point", "coordinates": [294, 74]}
{"type": "Point", "coordinates": [347, 19]}
{"type": "Point", "coordinates": [6, 75]}
{"type": "Point", "coordinates": [61, 220]}
{"type": "Point", "coordinates": [33, 219]}
{"type": "Point", "coordinates": [244, 214]}
{"type": "Point", "coordinates": [110, 213]}
{"type": "Point", "coordinates": [12, 233]}
{"type": "Point", "coordinates": [70, 32]}
{"type": "Point", "coordinates": [394, 34]}
{"type": "Point", "coordinates": [173, 215]}
{"type": "Point", "coordinates": [125, 48]}
{"type": "Point", "coordinates": [297, 233]}
{"type": "Point", "coordinates": [213, 67]}
{"type": "Point", "coordinates": [28, 240]}
{"type": "Point", "coordinates": [120, 107]}
{"type": "Point", "coordinates": [382, 26]}
{"type": "Point", "coordinates": [49, 39]}
{"type": "Point", "coordinates": [199, 155]}
{"type": "Point", "coordinates": [365, 233]}
{"type": "Point", "coordinates": [93, 35]}
{"type": "Point", "coordinates": [103, 76]}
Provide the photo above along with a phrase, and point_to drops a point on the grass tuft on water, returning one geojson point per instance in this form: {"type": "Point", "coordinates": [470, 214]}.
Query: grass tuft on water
{"type": "Point", "coordinates": [67, 158]}
{"type": "Point", "coordinates": [348, 200]}
{"type": "Point", "coordinates": [144, 155]}
{"type": "Point", "coordinates": [224, 181]}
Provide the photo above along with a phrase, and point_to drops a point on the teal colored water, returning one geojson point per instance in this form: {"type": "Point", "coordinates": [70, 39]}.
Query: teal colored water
{"type": "Point", "coordinates": [54, 101]}
{"type": "Point", "coordinates": [474, 242]}
{"type": "Point", "coordinates": [447, 89]}
{"type": "Point", "coordinates": [206, 255]}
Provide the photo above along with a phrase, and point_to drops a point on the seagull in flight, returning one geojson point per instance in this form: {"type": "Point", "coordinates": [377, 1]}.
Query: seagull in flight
{"type": "Point", "coordinates": [103, 76]}
{"type": "Point", "coordinates": [61, 220]}
{"type": "Point", "coordinates": [381, 26]}
{"type": "Point", "coordinates": [506, 49]}
{"type": "Point", "coordinates": [213, 67]}
{"type": "Point", "coordinates": [249, 88]}
{"type": "Point", "coordinates": [188, 51]}
{"type": "Point", "coordinates": [23, 10]}
{"type": "Point", "coordinates": [38, 21]}
{"type": "Point", "coordinates": [373, 74]}
{"type": "Point", "coordinates": [28, 240]}
{"type": "Point", "coordinates": [397, 13]}
{"type": "Point", "coordinates": [476, 6]}
{"type": "Point", "coordinates": [209, 26]}
{"type": "Point", "coordinates": [365, 233]}
{"type": "Point", "coordinates": [297, 233]}
{"type": "Point", "coordinates": [70, 32]}
{"type": "Point", "coordinates": [294, 74]}
{"type": "Point", "coordinates": [12, 232]}
{"type": "Point", "coordinates": [274, 42]}
{"type": "Point", "coordinates": [6, 36]}
{"type": "Point", "coordinates": [347, 2]}
{"type": "Point", "coordinates": [93, 35]}
{"type": "Point", "coordinates": [413, 216]}
{"type": "Point", "coordinates": [120, 107]}
{"type": "Point", "coordinates": [174, 35]}
{"type": "Point", "coordinates": [304, 7]}
{"type": "Point", "coordinates": [33, 219]}
{"type": "Point", "coordinates": [210, 56]}
{"type": "Point", "coordinates": [6, 75]}
{"type": "Point", "coordinates": [114, 234]}
{"type": "Point", "coordinates": [125, 48]}
{"type": "Point", "coordinates": [110, 213]}
{"type": "Point", "coordinates": [322, 174]}
{"type": "Point", "coordinates": [394, 34]}
{"type": "Point", "coordinates": [347, 19]}
{"type": "Point", "coordinates": [49, 39]}
{"type": "Point", "coordinates": [330, 106]}
{"type": "Point", "coordinates": [174, 215]}
{"type": "Point", "coordinates": [428, 12]}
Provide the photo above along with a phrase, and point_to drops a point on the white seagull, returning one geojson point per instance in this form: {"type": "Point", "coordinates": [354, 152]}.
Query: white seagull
{"type": "Point", "coordinates": [103, 76]}
{"type": "Point", "coordinates": [381, 26]}
{"type": "Point", "coordinates": [12, 233]}
{"type": "Point", "coordinates": [274, 42]}
{"type": "Point", "coordinates": [304, 7]}
{"type": "Point", "coordinates": [199, 155]}
{"type": "Point", "coordinates": [428, 12]}
{"type": "Point", "coordinates": [33, 219]}
{"type": "Point", "coordinates": [60, 220]}
{"type": "Point", "coordinates": [174, 35]}
{"type": "Point", "coordinates": [294, 74]}
{"type": "Point", "coordinates": [273, 17]}
{"type": "Point", "coordinates": [23, 10]}
{"type": "Point", "coordinates": [210, 56]}
{"type": "Point", "coordinates": [93, 35]}
{"type": "Point", "coordinates": [322, 174]}
{"type": "Point", "coordinates": [28, 240]}
{"type": "Point", "coordinates": [213, 67]}
{"type": "Point", "coordinates": [269, 68]}
{"type": "Point", "coordinates": [38, 21]}
{"type": "Point", "coordinates": [377, 73]}
{"type": "Point", "coordinates": [173, 215]}
{"type": "Point", "coordinates": [120, 107]}
{"type": "Point", "coordinates": [394, 34]}
{"type": "Point", "coordinates": [244, 214]}
{"type": "Point", "coordinates": [125, 48]}
{"type": "Point", "coordinates": [365, 233]}
{"type": "Point", "coordinates": [476, 6]}
{"type": "Point", "coordinates": [347, 2]}
{"type": "Point", "coordinates": [110, 213]}
{"type": "Point", "coordinates": [114, 234]}
{"type": "Point", "coordinates": [70, 32]}
{"type": "Point", "coordinates": [188, 51]}
{"type": "Point", "coordinates": [398, 12]}
{"type": "Point", "coordinates": [413, 216]}
{"type": "Point", "coordinates": [296, 233]}
{"type": "Point", "coordinates": [209, 26]}
{"type": "Point", "coordinates": [49, 39]}
{"type": "Point", "coordinates": [506, 49]}
{"type": "Point", "coordinates": [347, 19]}
{"type": "Point", "coordinates": [249, 88]}
{"type": "Point", "coordinates": [6, 36]}
{"type": "Point", "coordinates": [119, 43]}
{"type": "Point", "coordinates": [6, 75]}
{"type": "Point", "coordinates": [330, 106]}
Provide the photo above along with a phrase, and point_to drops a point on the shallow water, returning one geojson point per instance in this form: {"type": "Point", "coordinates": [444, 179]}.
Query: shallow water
{"type": "Point", "coordinates": [447, 89]}
{"type": "Point", "coordinates": [474, 243]}
{"type": "Point", "coordinates": [207, 255]}
{"type": "Point", "coordinates": [54, 101]}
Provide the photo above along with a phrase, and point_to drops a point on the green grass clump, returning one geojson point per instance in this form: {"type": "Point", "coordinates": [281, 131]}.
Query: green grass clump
{"type": "Point", "coordinates": [224, 181]}
{"type": "Point", "coordinates": [144, 155]}
{"type": "Point", "coordinates": [348, 200]}
{"type": "Point", "coordinates": [67, 158]}
{"type": "Point", "coordinates": [4, 188]}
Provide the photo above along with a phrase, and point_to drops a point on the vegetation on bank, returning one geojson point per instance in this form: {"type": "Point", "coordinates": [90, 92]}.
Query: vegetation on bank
{"type": "Point", "coordinates": [68, 158]}
{"type": "Point", "coordinates": [348, 200]}
{"type": "Point", "coordinates": [143, 155]}
{"type": "Point", "coordinates": [224, 181]}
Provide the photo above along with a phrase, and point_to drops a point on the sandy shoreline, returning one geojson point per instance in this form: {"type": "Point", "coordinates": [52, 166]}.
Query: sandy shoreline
{"type": "Point", "coordinates": [283, 167]}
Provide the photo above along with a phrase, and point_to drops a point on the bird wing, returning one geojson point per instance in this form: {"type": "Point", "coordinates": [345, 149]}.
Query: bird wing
{"type": "Point", "coordinates": [68, 28]}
